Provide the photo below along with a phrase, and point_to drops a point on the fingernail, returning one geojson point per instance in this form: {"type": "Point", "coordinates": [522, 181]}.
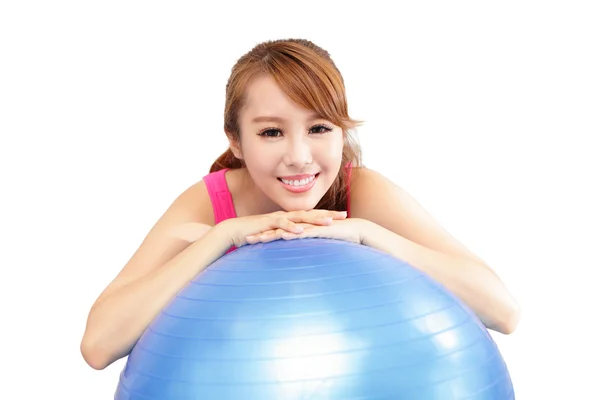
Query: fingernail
{"type": "Point", "coordinates": [344, 213]}
{"type": "Point", "coordinates": [298, 229]}
{"type": "Point", "coordinates": [327, 219]}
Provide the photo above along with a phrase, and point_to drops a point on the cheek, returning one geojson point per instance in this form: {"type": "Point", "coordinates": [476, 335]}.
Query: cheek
{"type": "Point", "coordinates": [331, 151]}
{"type": "Point", "coordinates": [256, 157]}
{"type": "Point", "coordinates": [261, 162]}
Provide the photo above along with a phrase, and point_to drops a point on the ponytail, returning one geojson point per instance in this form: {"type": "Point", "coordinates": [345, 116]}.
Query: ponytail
{"type": "Point", "coordinates": [226, 160]}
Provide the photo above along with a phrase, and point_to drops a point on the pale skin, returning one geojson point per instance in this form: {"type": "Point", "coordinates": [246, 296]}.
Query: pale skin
{"type": "Point", "coordinates": [185, 240]}
{"type": "Point", "coordinates": [387, 218]}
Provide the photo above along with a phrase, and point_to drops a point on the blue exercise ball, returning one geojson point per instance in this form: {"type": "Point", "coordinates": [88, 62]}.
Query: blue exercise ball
{"type": "Point", "coordinates": [314, 319]}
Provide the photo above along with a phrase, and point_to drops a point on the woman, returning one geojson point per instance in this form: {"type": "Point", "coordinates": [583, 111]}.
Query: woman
{"type": "Point", "coordinates": [291, 171]}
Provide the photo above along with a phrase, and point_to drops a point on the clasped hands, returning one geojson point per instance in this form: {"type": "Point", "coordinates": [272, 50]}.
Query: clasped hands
{"type": "Point", "coordinates": [313, 224]}
{"type": "Point", "coordinates": [286, 225]}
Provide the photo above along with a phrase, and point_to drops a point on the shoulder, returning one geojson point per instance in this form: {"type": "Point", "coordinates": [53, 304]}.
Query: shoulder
{"type": "Point", "coordinates": [366, 183]}
{"type": "Point", "coordinates": [193, 204]}
{"type": "Point", "coordinates": [372, 194]}
{"type": "Point", "coordinates": [187, 218]}
{"type": "Point", "coordinates": [193, 210]}
{"type": "Point", "coordinates": [379, 200]}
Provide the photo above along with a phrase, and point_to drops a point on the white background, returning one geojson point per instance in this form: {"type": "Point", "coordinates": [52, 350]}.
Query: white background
{"type": "Point", "coordinates": [487, 114]}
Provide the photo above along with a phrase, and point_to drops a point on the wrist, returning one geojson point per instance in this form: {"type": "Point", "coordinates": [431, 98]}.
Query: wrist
{"type": "Point", "coordinates": [367, 231]}
{"type": "Point", "coordinates": [224, 232]}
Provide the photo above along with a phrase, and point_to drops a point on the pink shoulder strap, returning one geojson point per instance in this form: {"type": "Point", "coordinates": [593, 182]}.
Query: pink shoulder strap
{"type": "Point", "coordinates": [220, 196]}
{"type": "Point", "coordinates": [221, 200]}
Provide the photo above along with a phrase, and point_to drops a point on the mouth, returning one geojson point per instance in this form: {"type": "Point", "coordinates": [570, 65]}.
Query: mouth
{"type": "Point", "coordinates": [298, 180]}
{"type": "Point", "coordinates": [298, 183]}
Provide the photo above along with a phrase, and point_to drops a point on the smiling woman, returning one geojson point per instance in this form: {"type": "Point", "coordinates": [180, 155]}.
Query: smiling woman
{"type": "Point", "coordinates": [290, 93]}
{"type": "Point", "coordinates": [279, 154]}
{"type": "Point", "coordinates": [291, 171]}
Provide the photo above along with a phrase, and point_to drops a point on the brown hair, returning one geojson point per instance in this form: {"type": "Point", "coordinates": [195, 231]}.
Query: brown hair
{"type": "Point", "coordinates": [307, 74]}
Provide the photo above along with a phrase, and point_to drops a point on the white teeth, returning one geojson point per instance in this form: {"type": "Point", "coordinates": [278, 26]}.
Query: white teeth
{"type": "Point", "coordinates": [300, 182]}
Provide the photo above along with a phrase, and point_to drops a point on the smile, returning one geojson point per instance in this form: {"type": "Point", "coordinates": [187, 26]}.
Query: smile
{"type": "Point", "coordinates": [300, 183]}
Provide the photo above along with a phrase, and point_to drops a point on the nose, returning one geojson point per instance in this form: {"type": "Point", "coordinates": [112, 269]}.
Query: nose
{"type": "Point", "coordinates": [298, 151]}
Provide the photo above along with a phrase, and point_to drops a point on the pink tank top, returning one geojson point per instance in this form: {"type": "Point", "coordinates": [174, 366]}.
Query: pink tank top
{"type": "Point", "coordinates": [221, 199]}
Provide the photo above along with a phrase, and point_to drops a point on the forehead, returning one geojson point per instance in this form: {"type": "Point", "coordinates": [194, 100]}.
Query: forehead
{"type": "Point", "coordinates": [265, 98]}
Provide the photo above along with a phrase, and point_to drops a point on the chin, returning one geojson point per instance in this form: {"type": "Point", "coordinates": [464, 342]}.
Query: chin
{"type": "Point", "coordinates": [297, 205]}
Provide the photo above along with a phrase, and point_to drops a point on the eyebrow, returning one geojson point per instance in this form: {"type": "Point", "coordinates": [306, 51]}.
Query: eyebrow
{"type": "Point", "coordinates": [272, 118]}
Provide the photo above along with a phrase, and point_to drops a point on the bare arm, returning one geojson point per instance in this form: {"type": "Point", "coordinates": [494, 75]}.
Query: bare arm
{"type": "Point", "coordinates": [474, 283]}
{"type": "Point", "coordinates": [116, 323]}
{"type": "Point", "coordinates": [402, 227]}
{"type": "Point", "coordinates": [164, 263]}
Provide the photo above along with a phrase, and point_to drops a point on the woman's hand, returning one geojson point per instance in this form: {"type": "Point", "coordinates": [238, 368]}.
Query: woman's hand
{"type": "Point", "coordinates": [279, 223]}
{"type": "Point", "coordinates": [350, 230]}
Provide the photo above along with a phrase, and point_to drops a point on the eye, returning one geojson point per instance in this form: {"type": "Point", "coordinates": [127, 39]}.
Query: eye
{"type": "Point", "coordinates": [273, 133]}
{"type": "Point", "coordinates": [270, 132]}
{"type": "Point", "coordinates": [321, 129]}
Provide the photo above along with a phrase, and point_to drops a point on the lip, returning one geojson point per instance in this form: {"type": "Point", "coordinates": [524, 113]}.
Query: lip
{"type": "Point", "coordinates": [297, 177]}
{"type": "Point", "coordinates": [299, 189]}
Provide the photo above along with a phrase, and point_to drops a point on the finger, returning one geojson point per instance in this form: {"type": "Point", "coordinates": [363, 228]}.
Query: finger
{"type": "Point", "coordinates": [278, 234]}
{"type": "Point", "coordinates": [257, 237]}
{"type": "Point", "coordinates": [283, 222]}
{"type": "Point", "coordinates": [317, 217]}
{"type": "Point", "coordinates": [338, 214]}
{"type": "Point", "coordinates": [290, 236]}
{"type": "Point", "coordinates": [273, 234]}
{"type": "Point", "coordinates": [252, 239]}
{"type": "Point", "coordinates": [316, 232]}
{"type": "Point", "coordinates": [328, 213]}
{"type": "Point", "coordinates": [270, 236]}
{"type": "Point", "coordinates": [304, 226]}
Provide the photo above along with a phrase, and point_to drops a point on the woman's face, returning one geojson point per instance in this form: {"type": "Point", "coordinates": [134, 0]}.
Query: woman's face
{"type": "Point", "coordinates": [292, 155]}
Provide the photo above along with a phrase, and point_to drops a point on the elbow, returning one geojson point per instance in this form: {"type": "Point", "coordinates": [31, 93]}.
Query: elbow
{"type": "Point", "coordinates": [512, 321]}
{"type": "Point", "coordinates": [509, 320]}
{"type": "Point", "coordinates": [93, 355]}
